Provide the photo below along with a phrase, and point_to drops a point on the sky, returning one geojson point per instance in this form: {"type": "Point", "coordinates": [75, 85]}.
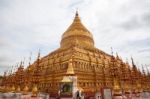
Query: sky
{"type": "Point", "coordinates": [29, 25]}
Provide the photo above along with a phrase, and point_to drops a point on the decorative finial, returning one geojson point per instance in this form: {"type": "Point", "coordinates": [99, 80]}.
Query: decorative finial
{"type": "Point", "coordinates": [39, 54]}
{"type": "Point", "coordinates": [147, 69]}
{"type": "Point", "coordinates": [117, 55]}
{"type": "Point", "coordinates": [77, 13]}
{"type": "Point", "coordinates": [17, 65]}
{"type": "Point", "coordinates": [132, 61]}
{"type": "Point", "coordinates": [143, 70]}
{"type": "Point", "coordinates": [30, 58]}
{"type": "Point", "coordinates": [5, 73]}
{"type": "Point", "coordinates": [23, 61]}
{"type": "Point", "coordinates": [20, 63]}
{"type": "Point", "coordinates": [111, 51]}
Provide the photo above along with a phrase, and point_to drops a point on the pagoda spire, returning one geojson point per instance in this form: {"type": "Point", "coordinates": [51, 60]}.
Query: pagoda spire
{"type": "Point", "coordinates": [147, 70]}
{"type": "Point", "coordinates": [5, 73]}
{"type": "Point", "coordinates": [77, 14]}
{"type": "Point", "coordinates": [143, 71]}
{"type": "Point", "coordinates": [132, 61]}
{"type": "Point", "coordinates": [38, 54]}
{"type": "Point", "coordinates": [112, 54]}
{"type": "Point", "coordinates": [112, 51]}
{"type": "Point", "coordinates": [36, 75]}
{"type": "Point", "coordinates": [30, 58]}
{"type": "Point", "coordinates": [21, 63]}
{"type": "Point", "coordinates": [117, 56]}
{"type": "Point", "coordinates": [77, 18]}
{"type": "Point", "coordinates": [133, 64]}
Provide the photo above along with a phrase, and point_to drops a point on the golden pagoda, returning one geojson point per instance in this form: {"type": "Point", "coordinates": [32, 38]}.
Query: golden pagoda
{"type": "Point", "coordinates": [78, 56]}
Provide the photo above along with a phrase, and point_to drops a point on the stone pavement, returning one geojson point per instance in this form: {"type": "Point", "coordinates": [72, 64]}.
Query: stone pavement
{"type": "Point", "coordinates": [144, 95]}
{"type": "Point", "coordinates": [10, 95]}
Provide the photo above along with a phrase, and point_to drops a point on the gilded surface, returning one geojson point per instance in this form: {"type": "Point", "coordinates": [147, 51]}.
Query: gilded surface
{"type": "Point", "coordinates": [77, 55]}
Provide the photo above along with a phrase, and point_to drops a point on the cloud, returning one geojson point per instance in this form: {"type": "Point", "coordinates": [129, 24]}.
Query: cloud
{"type": "Point", "coordinates": [144, 50]}
{"type": "Point", "coordinates": [29, 25]}
{"type": "Point", "coordinates": [137, 22]}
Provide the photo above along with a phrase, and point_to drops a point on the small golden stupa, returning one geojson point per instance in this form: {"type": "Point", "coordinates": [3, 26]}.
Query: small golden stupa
{"type": "Point", "coordinates": [116, 88]}
{"type": "Point", "coordinates": [138, 89]}
{"type": "Point", "coordinates": [127, 89]}
{"type": "Point", "coordinates": [70, 72]}
{"type": "Point", "coordinates": [34, 91]}
{"type": "Point", "coordinates": [13, 88]}
{"type": "Point", "coordinates": [25, 90]}
{"type": "Point", "coordinates": [18, 89]}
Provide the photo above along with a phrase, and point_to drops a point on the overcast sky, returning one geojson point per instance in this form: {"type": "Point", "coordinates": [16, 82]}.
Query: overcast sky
{"type": "Point", "coordinates": [29, 25]}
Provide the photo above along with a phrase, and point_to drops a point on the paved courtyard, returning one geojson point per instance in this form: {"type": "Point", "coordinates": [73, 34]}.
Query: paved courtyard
{"type": "Point", "coordinates": [20, 96]}
{"type": "Point", "coordinates": [144, 95]}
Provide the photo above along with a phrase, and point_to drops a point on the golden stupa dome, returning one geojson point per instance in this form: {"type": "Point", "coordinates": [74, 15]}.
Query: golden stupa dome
{"type": "Point", "coordinates": [77, 34]}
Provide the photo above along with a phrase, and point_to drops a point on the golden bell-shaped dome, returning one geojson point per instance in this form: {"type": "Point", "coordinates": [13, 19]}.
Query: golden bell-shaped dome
{"type": "Point", "coordinates": [77, 33]}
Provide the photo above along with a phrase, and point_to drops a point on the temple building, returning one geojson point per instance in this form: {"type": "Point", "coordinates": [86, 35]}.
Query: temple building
{"type": "Point", "coordinates": [78, 56]}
